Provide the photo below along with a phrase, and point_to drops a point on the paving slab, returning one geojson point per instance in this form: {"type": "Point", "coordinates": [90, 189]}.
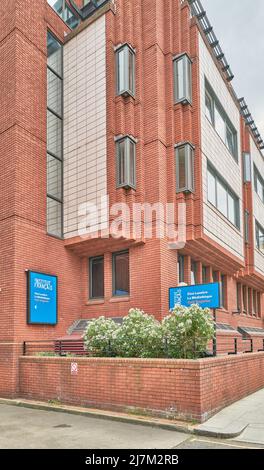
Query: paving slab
{"type": "Point", "coordinates": [242, 419]}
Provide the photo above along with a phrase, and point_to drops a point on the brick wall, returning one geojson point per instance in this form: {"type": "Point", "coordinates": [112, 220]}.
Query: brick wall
{"type": "Point", "coordinates": [192, 390]}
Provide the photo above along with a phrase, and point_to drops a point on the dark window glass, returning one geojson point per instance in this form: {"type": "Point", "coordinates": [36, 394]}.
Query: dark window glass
{"type": "Point", "coordinates": [181, 268]}
{"type": "Point", "coordinates": [215, 276]}
{"type": "Point", "coordinates": [97, 277]}
{"type": "Point", "coordinates": [193, 273]}
{"type": "Point", "coordinates": [239, 292]}
{"type": "Point", "coordinates": [204, 275]}
{"type": "Point", "coordinates": [224, 288]}
{"type": "Point", "coordinates": [245, 299]}
{"type": "Point", "coordinates": [121, 273]}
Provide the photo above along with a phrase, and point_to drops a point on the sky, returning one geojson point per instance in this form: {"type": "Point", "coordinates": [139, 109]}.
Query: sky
{"type": "Point", "coordinates": [239, 27]}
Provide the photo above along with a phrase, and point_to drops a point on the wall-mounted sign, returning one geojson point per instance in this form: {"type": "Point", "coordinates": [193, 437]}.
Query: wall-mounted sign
{"type": "Point", "coordinates": [204, 295]}
{"type": "Point", "coordinates": [42, 298]}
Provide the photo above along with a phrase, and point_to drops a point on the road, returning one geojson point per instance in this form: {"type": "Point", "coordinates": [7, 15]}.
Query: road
{"type": "Point", "coordinates": [24, 428]}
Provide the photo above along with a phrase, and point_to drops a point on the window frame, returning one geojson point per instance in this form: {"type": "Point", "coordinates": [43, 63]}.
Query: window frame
{"type": "Point", "coordinates": [247, 168]}
{"type": "Point", "coordinates": [209, 93]}
{"type": "Point", "coordinates": [186, 79]}
{"type": "Point", "coordinates": [181, 273]}
{"type": "Point", "coordinates": [189, 167]}
{"type": "Point", "coordinates": [127, 183]}
{"type": "Point", "coordinates": [258, 179]}
{"type": "Point", "coordinates": [90, 261]}
{"type": "Point", "coordinates": [65, 9]}
{"type": "Point", "coordinates": [126, 90]}
{"type": "Point", "coordinates": [114, 256]}
{"type": "Point", "coordinates": [229, 193]}
{"type": "Point", "coordinates": [59, 157]}
{"type": "Point", "coordinates": [259, 228]}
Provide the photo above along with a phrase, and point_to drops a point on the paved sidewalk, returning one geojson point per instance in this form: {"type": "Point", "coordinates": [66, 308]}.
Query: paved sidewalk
{"type": "Point", "coordinates": [242, 421]}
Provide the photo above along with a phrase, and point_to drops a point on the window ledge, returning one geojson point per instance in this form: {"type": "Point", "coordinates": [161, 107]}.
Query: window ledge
{"type": "Point", "coordinates": [119, 299]}
{"type": "Point", "coordinates": [95, 302]}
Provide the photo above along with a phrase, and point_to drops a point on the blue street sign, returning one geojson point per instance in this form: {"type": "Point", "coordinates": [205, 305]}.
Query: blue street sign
{"type": "Point", "coordinates": [204, 295]}
{"type": "Point", "coordinates": [42, 298]}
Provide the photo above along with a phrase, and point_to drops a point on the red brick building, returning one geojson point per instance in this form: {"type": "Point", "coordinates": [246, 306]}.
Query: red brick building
{"type": "Point", "coordinates": [140, 109]}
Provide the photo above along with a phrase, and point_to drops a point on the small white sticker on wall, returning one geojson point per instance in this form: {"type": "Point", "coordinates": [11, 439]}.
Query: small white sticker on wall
{"type": "Point", "coordinates": [74, 368]}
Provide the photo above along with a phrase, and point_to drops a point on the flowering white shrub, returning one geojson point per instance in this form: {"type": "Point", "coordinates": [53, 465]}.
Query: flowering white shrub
{"type": "Point", "coordinates": [98, 339]}
{"type": "Point", "coordinates": [140, 335]}
{"type": "Point", "coordinates": [187, 331]}
{"type": "Point", "coordinates": [184, 333]}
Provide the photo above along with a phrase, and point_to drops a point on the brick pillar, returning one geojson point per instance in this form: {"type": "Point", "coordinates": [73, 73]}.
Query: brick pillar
{"type": "Point", "coordinates": [9, 369]}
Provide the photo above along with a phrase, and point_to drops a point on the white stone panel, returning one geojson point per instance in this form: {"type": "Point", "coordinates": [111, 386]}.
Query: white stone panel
{"type": "Point", "coordinates": [216, 226]}
{"type": "Point", "coordinates": [85, 156]}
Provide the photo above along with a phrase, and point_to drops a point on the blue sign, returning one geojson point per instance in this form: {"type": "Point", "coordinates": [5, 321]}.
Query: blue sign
{"type": "Point", "coordinates": [42, 298]}
{"type": "Point", "coordinates": [204, 295]}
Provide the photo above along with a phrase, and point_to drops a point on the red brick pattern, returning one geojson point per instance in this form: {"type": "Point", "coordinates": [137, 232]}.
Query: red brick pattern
{"type": "Point", "coordinates": [192, 390]}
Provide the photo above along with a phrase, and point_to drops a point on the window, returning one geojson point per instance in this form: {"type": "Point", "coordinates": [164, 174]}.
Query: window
{"type": "Point", "coordinates": [125, 70]}
{"type": "Point", "coordinates": [126, 163]}
{"type": "Point", "coordinates": [204, 274]}
{"type": "Point", "coordinates": [215, 276]}
{"type": "Point", "coordinates": [209, 108]}
{"type": "Point", "coordinates": [245, 299]}
{"type": "Point", "coordinates": [193, 273]}
{"type": "Point", "coordinates": [221, 196]}
{"type": "Point", "coordinates": [184, 167]}
{"type": "Point", "coordinates": [54, 136]}
{"type": "Point", "coordinates": [246, 223]}
{"type": "Point", "coordinates": [180, 268]}
{"type": "Point", "coordinates": [239, 295]}
{"type": "Point", "coordinates": [217, 116]}
{"type": "Point", "coordinates": [64, 11]}
{"type": "Point", "coordinates": [224, 291]}
{"type": "Point", "coordinates": [247, 167]}
{"type": "Point", "coordinates": [183, 79]}
{"type": "Point", "coordinates": [121, 274]}
{"type": "Point", "coordinates": [259, 237]}
{"type": "Point", "coordinates": [96, 277]}
{"type": "Point", "coordinates": [259, 184]}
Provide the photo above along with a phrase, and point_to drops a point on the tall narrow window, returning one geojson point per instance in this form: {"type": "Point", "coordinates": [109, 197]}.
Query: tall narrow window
{"type": "Point", "coordinates": [219, 119]}
{"type": "Point", "coordinates": [184, 167]}
{"type": "Point", "coordinates": [246, 223]}
{"type": "Point", "coordinates": [259, 237]}
{"type": "Point", "coordinates": [247, 167]}
{"type": "Point", "coordinates": [54, 136]}
{"type": "Point", "coordinates": [194, 273]}
{"type": "Point", "coordinates": [239, 297]}
{"type": "Point", "coordinates": [183, 79]}
{"type": "Point", "coordinates": [222, 197]}
{"type": "Point", "coordinates": [121, 274]}
{"type": "Point", "coordinates": [180, 268]}
{"type": "Point", "coordinates": [224, 291]}
{"type": "Point", "coordinates": [125, 70]}
{"type": "Point", "coordinates": [96, 277]}
{"type": "Point", "coordinates": [204, 274]}
{"type": "Point", "coordinates": [258, 184]}
{"type": "Point", "coordinates": [126, 163]}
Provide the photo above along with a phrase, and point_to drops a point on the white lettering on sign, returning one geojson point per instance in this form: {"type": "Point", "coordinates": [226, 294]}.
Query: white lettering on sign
{"type": "Point", "coordinates": [74, 368]}
{"type": "Point", "coordinates": [43, 284]}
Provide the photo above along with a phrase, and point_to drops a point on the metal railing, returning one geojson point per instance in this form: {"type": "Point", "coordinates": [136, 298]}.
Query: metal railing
{"type": "Point", "coordinates": [75, 347]}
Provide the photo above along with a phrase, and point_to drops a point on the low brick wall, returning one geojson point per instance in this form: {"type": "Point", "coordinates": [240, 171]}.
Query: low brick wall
{"type": "Point", "coordinates": [9, 363]}
{"type": "Point", "coordinates": [192, 390]}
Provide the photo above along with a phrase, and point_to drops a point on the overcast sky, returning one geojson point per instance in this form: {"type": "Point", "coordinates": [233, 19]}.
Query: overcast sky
{"type": "Point", "coordinates": [239, 27]}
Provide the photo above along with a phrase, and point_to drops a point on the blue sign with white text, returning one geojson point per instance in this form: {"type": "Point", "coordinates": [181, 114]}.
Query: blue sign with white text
{"type": "Point", "coordinates": [42, 298]}
{"type": "Point", "coordinates": [204, 295]}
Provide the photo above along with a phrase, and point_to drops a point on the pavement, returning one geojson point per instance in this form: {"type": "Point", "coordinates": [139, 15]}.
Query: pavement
{"type": "Point", "coordinates": [26, 424]}
{"type": "Point", "coordinates": [243, 421]}
{"type": "Point", "coordinates": [29, 428]}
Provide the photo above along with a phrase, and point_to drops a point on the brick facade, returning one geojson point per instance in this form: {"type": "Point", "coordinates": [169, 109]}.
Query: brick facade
{"type": "Point", "coordinates": [158, 31]}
